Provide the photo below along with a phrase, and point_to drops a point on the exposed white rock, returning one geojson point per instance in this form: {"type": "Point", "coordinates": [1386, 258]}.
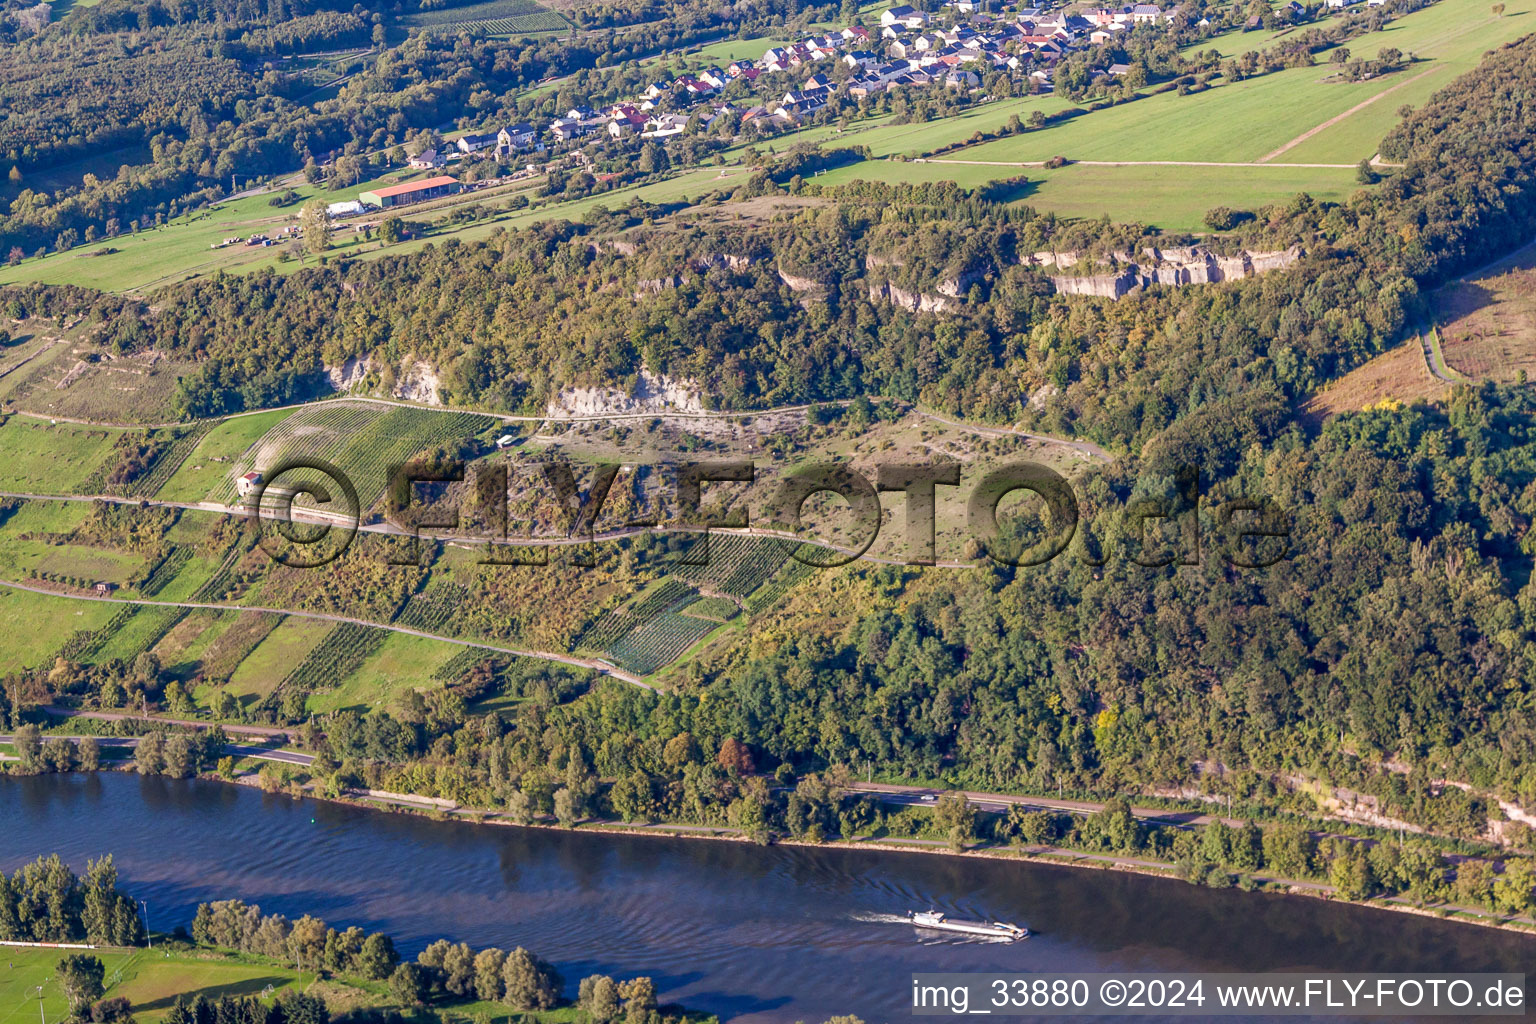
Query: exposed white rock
{"type": "Point", "coordinates": [654, 394]}
{"type": "Point", "coordinates": [1174, 267]}
{"type": "Point", "coordinates": [417, 382]}
{"type": "Point", "coordinates": [346, 376]}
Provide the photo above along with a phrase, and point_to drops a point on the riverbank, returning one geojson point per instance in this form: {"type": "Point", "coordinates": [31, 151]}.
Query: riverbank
{"type": "Point", "coordinates": [439, 809]}
{"type": "Point", "coordinates": [755, 934]}
{"type": "Point", "coordinates": [1035, 854]}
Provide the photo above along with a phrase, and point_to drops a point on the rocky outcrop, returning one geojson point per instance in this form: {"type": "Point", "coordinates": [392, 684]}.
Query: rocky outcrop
{"type": "Point", "coordinates": [723, 261]}
{"type": "Point", "coordinates": [653, 394]}
{"type": "Point", "coordinates": [1174, 267]}
{"type": "Point", "coordinates": [417, 382]}
{"type": "Point", "coordinates": [961, 283]}
{"type": "Point", "coordinates": [657, 285]}
{"type": "Point", "coordinates": [916, 302]}
{"type": "Point", "coordinates": [349, 374]}
{"type": "Point", "coordinates": [800, 284]}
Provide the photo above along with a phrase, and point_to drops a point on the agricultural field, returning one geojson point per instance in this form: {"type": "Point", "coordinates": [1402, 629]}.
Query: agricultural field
{"type": "Point", "coordinates": [207, 465]}
{"type": "Point", "coordinates": [1488, 325]}
{"type": "Point", "coordinates": [40, 625]}
{"type": "Point", "coordinates": [1275, 109]}
{"type": "Point", "coordinates": [658, 641]}
{"type": "Point", "coordinates": [143, 630]}
{"type": "Point", "coordinates": [736, 565]}
{"type": "Point", "coordinates": [1399, 374]}
{"type": "Point", "coordinates": [262, 670]}
{"type": "Point", "coordinates": [498, 17]}
{"type": "Point", "coordinates": [40, 457]}
{"type": "Point", "coordinates": [1172, 198]}
{"type": "Point", "coordinates": [401, 661]}
{"type": "Point", "coordinates": [342, 652]}
{"type": "Point", "coordinates": [362, 439]}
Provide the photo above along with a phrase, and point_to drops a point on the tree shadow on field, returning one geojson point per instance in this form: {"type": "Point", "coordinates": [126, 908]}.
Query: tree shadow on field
{"type": "Point", "coordinates": [244, 987]}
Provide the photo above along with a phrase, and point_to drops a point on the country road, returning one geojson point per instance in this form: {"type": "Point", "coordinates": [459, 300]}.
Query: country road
{"type": "Point", "coordinates": [1085, 447]}
{"type": "Point", "coordinates": [387, 528]}
{"type": "Point", "coordinates": [564, 659]}
{"type": "Point", "coordinates": [241, 749]}
{"type": "Point", "coordinates": [1000, 802]}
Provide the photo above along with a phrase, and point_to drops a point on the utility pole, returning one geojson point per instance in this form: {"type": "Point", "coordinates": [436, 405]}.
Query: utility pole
{"type": "Point", "coordinates": [148, 940]}
{"type": "Point", "coordinates": [40, 1015]}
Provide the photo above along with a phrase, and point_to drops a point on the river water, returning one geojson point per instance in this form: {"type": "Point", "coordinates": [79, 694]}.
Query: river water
{"type": "Point", "coordinates": [763, 935]}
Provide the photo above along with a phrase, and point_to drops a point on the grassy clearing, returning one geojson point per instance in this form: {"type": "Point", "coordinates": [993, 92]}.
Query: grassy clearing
{"type": "Point", "coordinates": [209, 463]}
{"type": "Point", "coordinates": [40, 457]}
{"type": "Point", "coordinates": [84, 383]}
{"type": "Point", "coordinates": [1488, 325]}
{"type": "Point", "coordinates": [38, 625]}
{"type": "Point", "coordinates": [91, 563]}
{"type": "Point", "coordinates": [689, 186]}
{"type": "Point", "coordinates": [402, 661]}
{"type": "Point", "coordinates": [1174, 198]}
{"type": "Point", "coordinates": [276, 656]}
{"type": "Point", "coordinates": [160, 255]}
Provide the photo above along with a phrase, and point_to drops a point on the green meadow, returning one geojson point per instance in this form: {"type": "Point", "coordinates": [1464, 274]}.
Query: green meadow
{"type": "Point", "coordinates": [212, 460]}
{"type": "Point", "coordinates": [43, 457]}
{"type": "Point", "coordinates": [1173, 198]}
{"type": "Point", "coordinates": [39, 624]}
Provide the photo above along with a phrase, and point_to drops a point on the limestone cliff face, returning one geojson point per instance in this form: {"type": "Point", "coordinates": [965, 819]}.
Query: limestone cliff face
{"type": "Point", "coordinates": [416, 381]}
{"type": "Point", "coordinates": [961, 283]}
{"type": "Point", "coordinates": [654, 393]}
{"type": "Point", "coordinates": [951, 290]}
{"type": "Point", "coordinates": [657, 285]}
{"type": "Point", "coordinates": [723, 261]}
{"type": "Point", "coordinates": [916, 302]}
{"type": "Point", "coordinates": [348, 374]}
{"type": "Point", "coordinates": [799, 284]}
{"type": "Point", "coordinates": [1174, 267]}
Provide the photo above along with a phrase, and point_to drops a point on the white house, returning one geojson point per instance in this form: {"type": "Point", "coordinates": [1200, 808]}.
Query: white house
{"type": "Point", "coordinates": [904, 16]}
{"type": "Point", "coordinates": [475, 143]}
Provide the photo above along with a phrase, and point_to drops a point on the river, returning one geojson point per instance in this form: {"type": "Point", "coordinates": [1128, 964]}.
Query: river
{"type": "Point", "coordinates": [763, 935]}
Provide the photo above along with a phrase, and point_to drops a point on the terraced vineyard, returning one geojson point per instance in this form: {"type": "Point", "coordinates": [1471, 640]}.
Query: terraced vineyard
{"type": "Point", "coordinates": [790, 574]}
{"type": "Point", "coordinates": [166, 570]}
{"type": "Point", "coordinates": [658, 642]}
{"type": "Point", "coordinates": [432, 611]}
{"type": "Point", "coordinates": [738, 564]}
{"type": "Point", "coordinates": [169, 461]}
{"type": "Point", "coordinates": [460, 665]}
{"type": "Point", "coordinates": [83, 644]}
{"type": "Point", "coordinates": [362, 440]}
{"type": "Point", "coordinates": [606, 630]}
{"type": "Point", "coordinates": [341, 653]}
{"type": "Point", "coordinates": [716, 609]}
{"type": "Point", "coordinates": [502, 17]}
{"type": "Point", "coordinates": [523, 24]}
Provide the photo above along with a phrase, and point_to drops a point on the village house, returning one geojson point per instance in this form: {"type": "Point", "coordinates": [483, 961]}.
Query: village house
{"type": "Point", "coordinates": [904, 16]}
{"type": "Point", "coordinates": [514, 138]}
{"type": "Point", "coordinates": [474, 143]}
{"type": "Point", "coordinates": [426, 160]}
